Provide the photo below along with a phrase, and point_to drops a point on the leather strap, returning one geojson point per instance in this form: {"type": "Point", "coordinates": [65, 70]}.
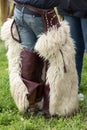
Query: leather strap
{"type": "Point", "coordinates": [49, 16]}
{"type": "Point", "coordinates": [18, 40]}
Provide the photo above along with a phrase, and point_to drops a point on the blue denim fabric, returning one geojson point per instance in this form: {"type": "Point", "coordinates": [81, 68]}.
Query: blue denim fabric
{"type": "Point", "coordinates": [78, 30]}
{"type": "Point", "coordinates": [29, 27]}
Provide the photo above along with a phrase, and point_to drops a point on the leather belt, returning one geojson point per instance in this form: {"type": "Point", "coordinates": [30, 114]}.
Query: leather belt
{"type": "Point", "coordinates": [27, 11]}
{"type": "Point", "coordinates": [49, 16]}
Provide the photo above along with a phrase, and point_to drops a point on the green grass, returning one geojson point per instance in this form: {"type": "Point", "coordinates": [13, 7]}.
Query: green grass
{"type": "Point", "coordinates": [12, 119]}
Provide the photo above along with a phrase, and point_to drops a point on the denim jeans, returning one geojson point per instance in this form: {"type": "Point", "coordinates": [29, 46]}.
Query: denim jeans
{"type": "Point", "coordinates": [78, 28]}
{"type": "Point", "coordinates": [29, 27]}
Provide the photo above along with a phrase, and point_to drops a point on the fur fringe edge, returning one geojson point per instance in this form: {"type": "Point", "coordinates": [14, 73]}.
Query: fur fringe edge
{"type": "Point", "coordinates": [17, 87]}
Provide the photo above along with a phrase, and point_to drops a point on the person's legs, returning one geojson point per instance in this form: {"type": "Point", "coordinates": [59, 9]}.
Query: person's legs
{"type": "Point", "coordinates": [29, 27]}
{"type": "Point", "coordinates": [76, 34]}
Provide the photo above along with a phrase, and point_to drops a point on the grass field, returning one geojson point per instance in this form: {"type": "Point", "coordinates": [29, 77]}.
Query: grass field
{"type": "Point", "coordinates": [11, 119]}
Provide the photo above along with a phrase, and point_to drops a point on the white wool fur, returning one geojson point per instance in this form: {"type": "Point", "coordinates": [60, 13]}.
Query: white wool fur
{"type": "Point", "coordinates": [63, 85]}
{"type": "Point", "coordinates": [17, 87]}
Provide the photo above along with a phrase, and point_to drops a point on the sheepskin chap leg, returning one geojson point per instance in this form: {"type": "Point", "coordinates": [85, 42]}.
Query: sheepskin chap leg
{"type": "Point", "coordinates": [61, 76]}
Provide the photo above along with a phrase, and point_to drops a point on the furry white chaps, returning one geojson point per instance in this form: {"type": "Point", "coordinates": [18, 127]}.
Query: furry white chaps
{"type": "Point", "coordinates": [18, 89]}
{"type": "Point", "coordinates": [57, 47]}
